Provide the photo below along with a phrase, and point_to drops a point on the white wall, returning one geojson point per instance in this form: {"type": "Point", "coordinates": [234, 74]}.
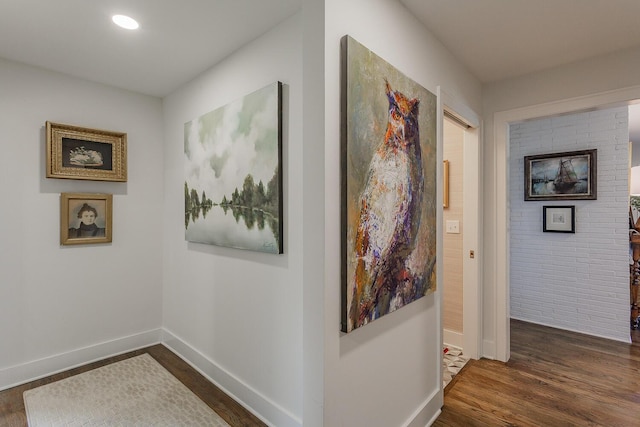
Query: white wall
{"type": "Point", "coordinates": [606, 77]}
{"type": "Point", "coordinates": [61, 306]}
{"type": "Point", "coordinates": [313, 136]}
{"type": "Point", "coordinates": [386, 373]}
{"type": "Point", "coordinates": [578, 281]}
{"type": "Point", "coordinates": [237, 315]}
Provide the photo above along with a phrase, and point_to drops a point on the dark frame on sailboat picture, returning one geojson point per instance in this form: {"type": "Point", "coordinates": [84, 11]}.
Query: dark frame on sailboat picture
{"type": "Point", "coordinates": [561, 176]}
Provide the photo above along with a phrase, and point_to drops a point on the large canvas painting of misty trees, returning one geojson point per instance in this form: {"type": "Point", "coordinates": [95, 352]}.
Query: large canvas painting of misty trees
{"type": "Point", "coordinates": [233, 174]}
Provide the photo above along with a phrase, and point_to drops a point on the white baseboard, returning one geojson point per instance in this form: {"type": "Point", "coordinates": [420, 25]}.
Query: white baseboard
{"type": "Point", "coordinates": [626, 339]}
{"type": "Point", "coordinates": [453, 338]}
{"type": "Point", "coordinates": [488, 349]}
{"type": "Point", "coordinates": [427, 413]}
{"type": "Point", "coordinates": [30, 371]}
{"type": "Point", "coordinates": [261, 406]}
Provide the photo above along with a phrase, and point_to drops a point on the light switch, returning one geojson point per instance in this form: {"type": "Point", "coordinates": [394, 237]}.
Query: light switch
{"type": "Point", "coordinates": [453, 226]}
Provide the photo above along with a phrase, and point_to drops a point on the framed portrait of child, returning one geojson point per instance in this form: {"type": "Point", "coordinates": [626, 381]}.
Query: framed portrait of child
{"type": "Point", "coordinates": [85, 218]}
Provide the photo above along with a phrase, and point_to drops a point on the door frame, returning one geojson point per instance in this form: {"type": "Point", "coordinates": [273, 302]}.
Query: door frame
{"type": "Point", "coordinates": [501, 254]}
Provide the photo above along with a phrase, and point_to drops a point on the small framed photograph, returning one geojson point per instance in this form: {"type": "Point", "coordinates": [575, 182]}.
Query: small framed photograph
{"type": "Point", "coordinates": [85, 218]}
{"type": "Point", "coordinates": [559, 219]}
{"type": "Point", "coordinates": [81, 153]}
{"type": "Point", "coordinates": [561, 176]}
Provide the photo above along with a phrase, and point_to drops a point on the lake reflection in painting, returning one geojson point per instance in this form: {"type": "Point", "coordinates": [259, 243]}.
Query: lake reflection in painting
{"type": "Point", "coordinates": [237, 228]}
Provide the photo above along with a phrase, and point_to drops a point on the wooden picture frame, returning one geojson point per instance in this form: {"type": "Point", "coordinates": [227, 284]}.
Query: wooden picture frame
{"type": "Point", "coordinates": [445, 186]}
{"type": "Point", "coordinates": [85, 218]}
{"type": "Point", "coordinates": [559, 219]}
{"type": "Point", "coordinates": [75, 152]}
{"type": "Point", "coordinates": [561, 176]}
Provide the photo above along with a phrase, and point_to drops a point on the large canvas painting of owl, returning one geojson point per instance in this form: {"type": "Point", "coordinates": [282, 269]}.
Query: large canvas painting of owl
{"type": "Point", "coordinates": [389, 187]}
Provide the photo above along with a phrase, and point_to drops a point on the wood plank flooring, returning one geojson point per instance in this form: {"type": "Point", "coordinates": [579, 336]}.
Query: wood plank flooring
{"type": "Point", "coordinates": [554, 378]}
{"type": "Point", "coordinates": [12, 413]}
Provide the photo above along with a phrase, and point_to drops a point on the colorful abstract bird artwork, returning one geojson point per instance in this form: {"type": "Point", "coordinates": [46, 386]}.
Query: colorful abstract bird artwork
{"type": "Point", "coordinates": [389, 189]}
{"type": "Point", "coordinates": [386, 232]}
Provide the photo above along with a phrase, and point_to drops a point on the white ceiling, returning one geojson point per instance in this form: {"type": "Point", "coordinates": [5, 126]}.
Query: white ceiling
{"type": "Point", "coordinates": [178, 40]}
{"type": "Point", "coordinates": [498, 39]}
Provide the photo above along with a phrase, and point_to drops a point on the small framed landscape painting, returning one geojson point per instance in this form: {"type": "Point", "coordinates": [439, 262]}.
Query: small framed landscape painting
{"type": "Point", "coordinates": [559, 219]}
{"type": "Point", "coordinates": [81, 153]}
{"type": "Point", "coordinates": [85, 218]}
{"type": "Point", "coordinates": [561, 176]}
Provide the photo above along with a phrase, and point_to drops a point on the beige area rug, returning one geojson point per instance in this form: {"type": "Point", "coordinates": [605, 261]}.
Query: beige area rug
{"type": "Point", "coordinates": [133, 392]}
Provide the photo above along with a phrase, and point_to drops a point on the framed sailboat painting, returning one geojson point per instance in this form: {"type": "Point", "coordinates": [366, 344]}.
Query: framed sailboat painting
{"type": "Point", "coordinates": [561, 176]}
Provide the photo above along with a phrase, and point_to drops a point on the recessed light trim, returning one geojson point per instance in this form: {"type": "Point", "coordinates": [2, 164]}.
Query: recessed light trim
{"type": "Point", "coordinates": [126, 22]}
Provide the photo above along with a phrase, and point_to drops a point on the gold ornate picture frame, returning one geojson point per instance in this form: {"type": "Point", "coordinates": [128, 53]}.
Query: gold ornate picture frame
{"type": "Point", "coordinates": [85, 218]}
{"type": "Point", "coordinates": [75, 152]}
{"type": "Point", "coordinates": [445, 184]}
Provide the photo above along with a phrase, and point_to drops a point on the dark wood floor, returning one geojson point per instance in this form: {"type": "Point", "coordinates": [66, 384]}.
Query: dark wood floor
{"type": "Point", "coordinates": [12, 413]}
{"type": "Point", "coordinates": [554, 378]}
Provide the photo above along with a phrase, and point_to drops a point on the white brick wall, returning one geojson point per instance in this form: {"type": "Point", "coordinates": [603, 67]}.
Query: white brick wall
{"type": "Point", "coordinates": [578, 281]}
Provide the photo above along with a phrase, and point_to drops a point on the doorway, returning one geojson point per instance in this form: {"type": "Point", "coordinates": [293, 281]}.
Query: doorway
{"type": "Point", "coordinates": [500, 254]}
{"type": "Point", "coordinates": [454, 228]}
{"type": "Point", "coordinates": [462, 311]}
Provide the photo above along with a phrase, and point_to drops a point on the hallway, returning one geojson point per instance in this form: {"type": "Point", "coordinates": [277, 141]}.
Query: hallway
{"type": "Point", "coordinates": [554, 377]}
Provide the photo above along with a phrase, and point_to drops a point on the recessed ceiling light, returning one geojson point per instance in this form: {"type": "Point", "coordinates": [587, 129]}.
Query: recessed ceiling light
{"type": "Point", "coordinates": [125, 22]}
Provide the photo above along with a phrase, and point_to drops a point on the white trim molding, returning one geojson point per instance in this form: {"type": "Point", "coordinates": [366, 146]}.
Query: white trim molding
{"type": "Point", "coordinates": [262, 407]}
{"type": "Point", "coordinates": [453, 338]}
{"type": "Point", "coordinates": [427, 412]}
{"type": "Point", "coordinates": [36, 369]}
{"type": "Point", "coordinates": [501, 257]}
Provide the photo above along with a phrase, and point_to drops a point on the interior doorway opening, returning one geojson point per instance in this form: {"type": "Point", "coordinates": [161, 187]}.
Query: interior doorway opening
{"type": "Point", "coordinates": [461, 296]}
{"type": "Point", "coordinates": [499, 325]}
{"type": "Point", "coordinates": [454, 228]}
